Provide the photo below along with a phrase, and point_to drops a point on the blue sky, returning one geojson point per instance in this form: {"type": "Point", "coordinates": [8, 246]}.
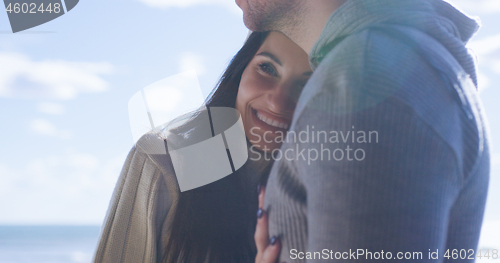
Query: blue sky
{"type": "Point", "coordinates": [65, 85]}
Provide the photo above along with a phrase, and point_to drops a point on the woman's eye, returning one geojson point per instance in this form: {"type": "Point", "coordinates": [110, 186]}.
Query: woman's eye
{"type": "Point", "coordinates": [268, 69]}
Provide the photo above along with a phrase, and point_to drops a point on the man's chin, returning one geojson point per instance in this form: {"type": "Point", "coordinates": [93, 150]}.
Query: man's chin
{"type": "Point", "coordinates": [248, 18]}
{"type": "Point", "coordinates": [250, 25]}
{"type": "Point", "coordinates": [253, 25]}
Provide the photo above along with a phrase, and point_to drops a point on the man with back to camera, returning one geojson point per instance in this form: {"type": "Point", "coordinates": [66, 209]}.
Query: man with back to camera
{"type": "Point", "coordinates": [399, 71]}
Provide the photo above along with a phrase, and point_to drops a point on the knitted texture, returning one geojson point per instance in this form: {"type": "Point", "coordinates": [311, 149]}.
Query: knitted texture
{"type": "Point", "coordinates": [398, 72]}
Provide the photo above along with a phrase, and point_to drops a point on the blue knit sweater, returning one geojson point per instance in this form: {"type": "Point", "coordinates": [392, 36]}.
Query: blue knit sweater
{"type": "Point", "coordinates": [397, 151]}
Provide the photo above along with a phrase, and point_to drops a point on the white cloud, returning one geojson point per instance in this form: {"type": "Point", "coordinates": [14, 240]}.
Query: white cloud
{"type": "Point", "coordinates": [44, 127]}
{"type": "Point", "coordinates": [191, 61]}
{"type": "Point", "coordinates": [483, 81]}
{"type": "Point", "coordinates": [23, 77]}
{"type": "Point", "coordinates": [50, 108]}
{"type": "Point", "coordinates": [71, 188]}
{"type": "Point", "coordinates": [486, 45]}
{"type": "Point", "coordinates": [495, 66]}
{"type": "Point", "coordinates": [489, 235]}
{"type": "Point", "coordinates": [487, 51]}
{"type": "Point", "coordinates": [495, 160]}
{"type": "Point", "coordinates": [165, 4]}
{"type": "Point", "coordinates": [469, 6]}
{"type": "Point", "coordinates": [477, 6]}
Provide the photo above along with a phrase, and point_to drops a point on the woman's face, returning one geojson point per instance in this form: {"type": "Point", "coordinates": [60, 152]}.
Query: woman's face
{"type": "Point", "coordinates": [269, 89]}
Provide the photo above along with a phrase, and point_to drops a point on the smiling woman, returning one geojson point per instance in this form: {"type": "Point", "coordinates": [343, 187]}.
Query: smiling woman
{"type": "Point", "coordinates": [150, 220]}
{"type": "Point", "coordinates": [270, 87]}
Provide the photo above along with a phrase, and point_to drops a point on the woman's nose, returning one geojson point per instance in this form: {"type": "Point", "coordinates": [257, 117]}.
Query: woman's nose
{"type": "Point", "coordinates": [279, 99]}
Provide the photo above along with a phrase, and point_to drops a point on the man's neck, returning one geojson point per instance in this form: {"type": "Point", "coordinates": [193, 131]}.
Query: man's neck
{"type": "Point", "coordinates": [311, 22]}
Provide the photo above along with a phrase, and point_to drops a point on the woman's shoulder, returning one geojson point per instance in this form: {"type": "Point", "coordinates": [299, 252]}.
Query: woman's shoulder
{"type": "Point", "coordinates": [145, 195]}
{"type": "Point", "coordinates": [152, 154]}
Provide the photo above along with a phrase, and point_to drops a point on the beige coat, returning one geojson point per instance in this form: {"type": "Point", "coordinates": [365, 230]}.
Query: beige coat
{"type": "Point", "coordinates": [138, 221]}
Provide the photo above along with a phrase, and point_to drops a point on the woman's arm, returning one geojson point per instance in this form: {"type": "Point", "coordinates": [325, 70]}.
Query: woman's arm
{"type": "Point", "coordinates": [135, 225]}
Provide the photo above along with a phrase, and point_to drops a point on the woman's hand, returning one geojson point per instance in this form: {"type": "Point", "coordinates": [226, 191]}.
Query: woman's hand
{"type": "Point", "coordinates": [268, 250]}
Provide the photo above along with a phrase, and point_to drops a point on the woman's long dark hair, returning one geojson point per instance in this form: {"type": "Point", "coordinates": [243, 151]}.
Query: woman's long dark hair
{"type": "Point", "coordinates": [211, 223]}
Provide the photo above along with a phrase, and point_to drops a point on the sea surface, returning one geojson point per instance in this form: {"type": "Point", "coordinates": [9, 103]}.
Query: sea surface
{"type": "Point", "coordinates": [76, 244]}
{"type": "Point", "coordinates": [47, 244]}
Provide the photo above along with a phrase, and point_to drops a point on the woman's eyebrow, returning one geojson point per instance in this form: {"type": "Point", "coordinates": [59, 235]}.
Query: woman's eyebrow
{"type": "Point", "coordinates": [271, 56]}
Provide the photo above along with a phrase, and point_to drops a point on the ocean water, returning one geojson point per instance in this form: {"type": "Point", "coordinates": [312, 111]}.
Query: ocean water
{"type": "Point", "coordinates": [47, 244]}
{"type": "Point", "coordinates": [76, 244]}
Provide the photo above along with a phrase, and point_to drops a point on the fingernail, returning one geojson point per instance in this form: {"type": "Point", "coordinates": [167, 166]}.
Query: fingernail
{"type": "Point", "coordinates": [258, 189]}
{"type": "Point", "coordinates": [260, 213]}
{"type": "Point", "coordinates": [273, 240]}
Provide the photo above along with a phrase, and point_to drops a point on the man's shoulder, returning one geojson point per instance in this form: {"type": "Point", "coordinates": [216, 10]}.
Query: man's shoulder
{"type": "Point", "coordinates": [373, 66]}
{"type": "Point", "coordinates": [372, 51]}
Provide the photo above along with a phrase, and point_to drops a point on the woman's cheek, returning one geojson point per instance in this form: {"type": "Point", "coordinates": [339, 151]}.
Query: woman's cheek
{"type": "Point", "coordinates": [250, 91]}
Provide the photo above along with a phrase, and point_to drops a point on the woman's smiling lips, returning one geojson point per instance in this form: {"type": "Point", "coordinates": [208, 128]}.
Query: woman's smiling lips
{"type": "Point", "coordinates": [267, 121]}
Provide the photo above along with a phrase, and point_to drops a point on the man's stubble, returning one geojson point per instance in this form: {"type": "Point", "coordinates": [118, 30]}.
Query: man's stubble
{"type": "Point", "coordinates": [272, 15]}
